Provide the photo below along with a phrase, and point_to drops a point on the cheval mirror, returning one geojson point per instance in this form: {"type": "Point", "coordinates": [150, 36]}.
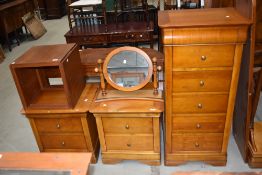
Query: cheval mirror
{"type": "Point", "coordinates": [128, 72]}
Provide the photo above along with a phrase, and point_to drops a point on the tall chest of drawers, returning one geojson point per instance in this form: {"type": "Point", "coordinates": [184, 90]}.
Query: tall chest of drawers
{"type": "Point", "coordinates": [202, 62]}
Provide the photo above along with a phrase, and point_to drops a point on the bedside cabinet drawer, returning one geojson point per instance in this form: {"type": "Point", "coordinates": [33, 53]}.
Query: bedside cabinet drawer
{"type": "Point", "coordinates": [203, 56]}
{"type": "Point", "coordinates": [129, 142]}
{"type": "Point", "coordinates": [197, 142]}
{"type": "Point", "coordinates": [202, 81]}
{"type": "Point", "coordinates": [45, 125]}
{"type": "Point", "coordinates": [127, 125]}
{"type": "Point", "coordinates": [200, 103]}
{"type": "Point", "coordinates": [205, 123]}
{"type": "Point", "coordinates": [63, 141]}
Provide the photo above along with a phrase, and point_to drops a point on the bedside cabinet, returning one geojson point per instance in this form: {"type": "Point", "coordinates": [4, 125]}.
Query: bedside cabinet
{"type": "Point", "coordinates": [202, 63]}
{"type": "Point", "coordinates": [67, 130]}
{"type": "Point", "coordinates": [128, 135]}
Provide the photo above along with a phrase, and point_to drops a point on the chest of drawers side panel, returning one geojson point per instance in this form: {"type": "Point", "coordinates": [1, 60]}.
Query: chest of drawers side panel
{"type": "Point", "coordinates": [232, 94]}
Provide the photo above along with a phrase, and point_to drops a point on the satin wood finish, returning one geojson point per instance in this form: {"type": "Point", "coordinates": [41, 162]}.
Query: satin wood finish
{"type": "Point", "coordinates": [196, 51]}
{"type": "Point", "coordinates": [67, 130]}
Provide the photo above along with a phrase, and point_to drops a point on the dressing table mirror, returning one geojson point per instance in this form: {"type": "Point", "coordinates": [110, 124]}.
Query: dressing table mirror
{"type": "Point", "coordinates": [128, 107]}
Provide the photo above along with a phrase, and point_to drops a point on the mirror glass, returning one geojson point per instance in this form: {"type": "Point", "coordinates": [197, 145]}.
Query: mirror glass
{"type": "Point", "coordinates": [128, 68]}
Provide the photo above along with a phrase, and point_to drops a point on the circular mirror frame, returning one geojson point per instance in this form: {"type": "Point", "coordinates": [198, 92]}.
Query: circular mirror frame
{"type": "Point", "coordinates": [128, 48]}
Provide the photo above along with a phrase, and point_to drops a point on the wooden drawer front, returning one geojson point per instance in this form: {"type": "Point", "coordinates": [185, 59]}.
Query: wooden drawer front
{"type": "Point", "coordinates": [202, 81]}
{"type": "Point", "coordinates": [200, 103]}
{"type": "Point", "coordinates": [130, 37]}
{"type": "Point", "coordinates": [127, 125]}
{"type": "Point", "coordinates": [63, 141]}
{"type": "Point", "coordinates": [203, 56]}
{"type": "Point", "coordinates": [58, 125]}
{"type": "Point", "coordinates": [87, 39]}
{"type": "Point", "coordinates": [197, 142]}
{"type": "Point", "coordinates": [130, 142]}
{"type": "Point", "coordinates": [199, 123]}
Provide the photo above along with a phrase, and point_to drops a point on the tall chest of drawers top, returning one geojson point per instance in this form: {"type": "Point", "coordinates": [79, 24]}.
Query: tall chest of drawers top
{"type": "Point", "coordinates": [202, 60]}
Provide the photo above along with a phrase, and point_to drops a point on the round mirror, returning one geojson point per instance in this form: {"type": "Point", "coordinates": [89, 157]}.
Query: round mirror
{"type": "Point", "coordinates": [127, 68]}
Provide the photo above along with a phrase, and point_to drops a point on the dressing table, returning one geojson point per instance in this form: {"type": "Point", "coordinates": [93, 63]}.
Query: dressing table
{"type": "Point", "coordinates": [128, 107]}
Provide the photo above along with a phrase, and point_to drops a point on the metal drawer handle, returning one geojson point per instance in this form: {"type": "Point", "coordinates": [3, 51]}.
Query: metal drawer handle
{"type": "Point", "coordinates": [128, 145]}
{"type": "Point", "coordinates": [203, 58]}
{"type": "Point", "coordinates": [198, 126]}
{"type": "Point", "coordinates": [58, 126]}
{"type": "Point", "coordinates": [201, 83]}
{"type": "Point", "coordinates": [127, 126]}
{"type": "Point", "coordinates": [200, 106]}
{"type": "Point", "coordinates": [197, 145]}
{"type": "Point", "coordinates": [63, 143]}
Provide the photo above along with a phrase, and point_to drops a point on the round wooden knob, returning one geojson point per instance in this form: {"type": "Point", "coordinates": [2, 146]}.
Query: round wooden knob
{"type": "Point", "coordinates": [203, 58]}
{"type": "Point", "coordinates": [63, 143]}
{"type": "Point", "coordinates": [197, 145]}
{"type": "Point", "coordinates": [58, 126]}
{"type": "Point", "coordinates": [128, 145]}
{"type": "Point", "coordinates": [154, 59]}
{"type": "Point", "coordinates": [198, 126]}
{"type": "Point", "coordinates": [159, 68]}
{"type": "Point", "coordinates": [96, 69]}
{"type": "Point", "coordinates": [127, 126]}
{"type": "Point", "coordinates": [200, 106]}
{"type": "Point", "coordinates": [99, 61]}
{"type": "Point", "coordinates": [201, 83]}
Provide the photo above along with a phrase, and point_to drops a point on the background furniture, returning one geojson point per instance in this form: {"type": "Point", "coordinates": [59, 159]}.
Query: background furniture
{"type": "Point", "coordinates": [247, 132]}
{"type": "Point", "coordinates": [2, 55]}
{"type": "Point", "coordinates": [52, 9]}
{"type": "Point", "coordinates": [128, 108]}
{"type": "Point", "coordinates": [202, 65]}
{"type": "Point", "coordinates": [10, 18]}
{"type": "Point", "coordinates": [56, 100]}
{"type": "Point", "coordinates": [73, 163]}
{"type": "Point", "coordinates": [120, 28]}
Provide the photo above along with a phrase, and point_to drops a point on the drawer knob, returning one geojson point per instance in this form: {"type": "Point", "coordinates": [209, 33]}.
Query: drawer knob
{"type": "Point", "coordinates": [201, 83]}
{"type": "Point", "coordinates": [63, 143]}
{"type": "Point", "coordinates": [141, 36]}
{"type": "Point", "coordinates": [197, 145]}
{"type": "Point", "coordinates": [127, 126]}
{"type": "Point", "coordinates": [58, 126]}
{"type": "Point", "coordinates": [128, 145]}
{"type": "Point", "coordinates": [200, 106]}
{"type": "Point", "coordinates": [198, 126]}
{"type": "Point", "coordinates": [203, 58]}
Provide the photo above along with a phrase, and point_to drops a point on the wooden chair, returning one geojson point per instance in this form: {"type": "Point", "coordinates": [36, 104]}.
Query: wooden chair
{"type": "Point", "coordinates": [86, 13]}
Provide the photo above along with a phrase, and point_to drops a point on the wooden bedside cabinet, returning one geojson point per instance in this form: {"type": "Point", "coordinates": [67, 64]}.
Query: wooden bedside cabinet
{"type": "Point", "coordinates": [67, 130]}
{"type": "Point", "coordinates": [202, 63]}
{"type": "Point", "coordinates": [126, 134]}
{"type": "Point", "coordinates": [128, 111]}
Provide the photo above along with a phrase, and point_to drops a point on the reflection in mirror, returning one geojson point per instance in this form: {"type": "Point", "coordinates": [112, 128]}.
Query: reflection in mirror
{"type": "Point", "coordinates": [128, 68]}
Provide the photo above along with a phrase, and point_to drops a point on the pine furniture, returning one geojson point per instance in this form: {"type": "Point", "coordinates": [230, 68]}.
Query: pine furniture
{"type": "Point", "coordinates": [202, 64]}
{"type": "Point", "coordinates": [49, 76]}
{"type": "Point", "coordinates": [56, 99]}
{"type": "Point", "coordinates": [128, 109]}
